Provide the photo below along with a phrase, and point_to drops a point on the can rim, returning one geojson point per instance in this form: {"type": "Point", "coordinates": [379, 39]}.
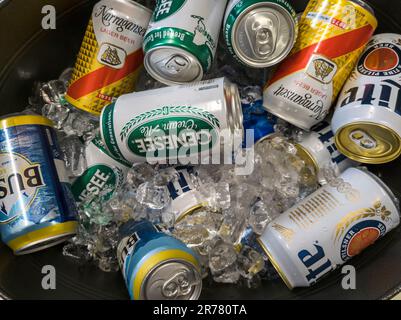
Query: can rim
{"type": "Point", "coordinates": [157, 76]}
{"type": "Point", "coordinates": [284, 54]}
{"type": "Point", "coordinates": [341, 143]}
{"type": "Point", "coordinates": [139, 5]}
{"type": "Point", "coordinates": [21, 120]}
{"type": "Point", "coordinates": [307, 156]}
{"type": "Point", "coordinates": [275, 265]}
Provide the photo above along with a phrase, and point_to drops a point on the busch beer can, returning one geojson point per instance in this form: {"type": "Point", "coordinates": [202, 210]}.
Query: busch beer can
{"type": "Point", "coordinates": [37, 209]}
{"type": "Point", "coordinates": [367, 121]}
{"type": "Point", "coordinates": [156, 266]}
{"type": "Point", "coordinates": [182, 39]}
{"type": "Point", "coordinates": [111, 55]}
{"type": "Point", "coordinates": [104, 173]}
{"type": "Point", "coordinates": [185, 199]}
{"type": "Point", "coordinates": [186, 123]}
{"type": "Point", "coordinates": [260, 33]}
{"type": "Point", "coordinates": [332, 36]}
{"type": "Point", "coordinates": [329, 227]}
{"type": "Point", "coordinates": [319, 149]}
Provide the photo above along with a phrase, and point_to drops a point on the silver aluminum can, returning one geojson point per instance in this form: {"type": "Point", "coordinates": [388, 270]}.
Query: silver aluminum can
{"type": "Point", "coordinates": [182, 38]}
{"type": "Point", "coordinates": [181, 123]}
{"type": "Point", "coordinates": [329, 227]}
{"type": "Point", "coordinates": [260, 33]}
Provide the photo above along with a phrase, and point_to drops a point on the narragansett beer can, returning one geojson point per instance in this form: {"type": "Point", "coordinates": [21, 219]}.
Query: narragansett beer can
{"type": "Point", "coordinates": [37, 209]}
{"type": "Point", "coordinates": [182, 38]}
{"type": "Point", "coordinates": [111, 55]}
{"type": "Point", "coordinates": [260, 33]}
{"type": "Point", "coordinates": [329, 227]}
{"type": "Point", "coordinates": [319, 149]}
{"type": "Point", "coordinates": [332, 36]}
{"type": "Point", "coordinates": [367, 120]}
{"type": "Point", "coordinates": [178, 124]}
{"type": "Point", "coordinates": [157, 266]}
{"type": "Point", "coordinates": [185, 198]}
{"type": "Point", "coordinates": [104, 173]}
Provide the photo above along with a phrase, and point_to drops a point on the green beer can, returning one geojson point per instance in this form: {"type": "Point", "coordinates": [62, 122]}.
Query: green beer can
{"type": "Point", "coordinates": [182, 38]}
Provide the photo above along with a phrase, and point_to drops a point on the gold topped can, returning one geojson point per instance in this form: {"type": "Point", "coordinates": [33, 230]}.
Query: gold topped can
{"type": "Point", "coordinates": [367, 120]}
{"type": "Point", "coordinates": [111, 56]}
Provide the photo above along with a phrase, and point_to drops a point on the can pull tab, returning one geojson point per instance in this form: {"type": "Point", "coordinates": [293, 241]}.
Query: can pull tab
{"type": "Point", "coordinates": [363, 139]}
{"type": "Point", "coordinates": [179, 285]}
{"type": "Point", "coordinates": [176, 64]}
{"type": "Point", "coordinates": [261, 29]}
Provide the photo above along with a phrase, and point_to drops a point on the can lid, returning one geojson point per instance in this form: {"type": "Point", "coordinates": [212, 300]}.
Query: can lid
{"type": "Point", "coordinates": [171, 65]}
{"type": "Point", "coordinates": [21, 120]}
{"type": "Point", "coordinates": [172, 280]}
{"type": "Point", "coordinates": [368, 142]}
{"type": "Point", "coordinates": [307, 156]}
{"type": "Point", "coordinates": [264, 34]}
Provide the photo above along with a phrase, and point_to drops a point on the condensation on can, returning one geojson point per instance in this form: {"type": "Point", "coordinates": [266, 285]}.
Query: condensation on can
{"type": "Point", "coordinates": [330, 227]}
{"type": "Point", "coordinates": [181, 42]}
{"type": "Point", "coordinates": [111, 56]}
{"type": "Point", "coordinates": [252, 35]}
{"type": "Point", "coordinates": [330, 41]}
{"type": "Point", "coordinates": [367, 120]}
{"type": "Point", "coordinates": [157, 266]}
{"type": "Point", "coordinates": [37, 209]}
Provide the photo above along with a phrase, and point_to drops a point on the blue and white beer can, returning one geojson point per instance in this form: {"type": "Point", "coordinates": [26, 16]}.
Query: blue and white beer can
{"type": "Point", "coordinates": [37, 209]}
{"type": "Point", "coordinates": [156, 266]}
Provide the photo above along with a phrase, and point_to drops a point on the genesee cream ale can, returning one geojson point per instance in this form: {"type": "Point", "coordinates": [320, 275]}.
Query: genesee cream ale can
{"type": "Point", "coordinates": [110, 57]}
{"type": "Point", "coordinates": [367, 121]}
{"type": "Point", "coordinates": [260, 33]}
{"type": "Point", "coordinates": [332, 35]}
{"type": "Point", "coordinates": [181, 42]}
{"type": "Point", "coordinates": [329, 227]}
{"type": "Point", "coordinates": [182, 123]}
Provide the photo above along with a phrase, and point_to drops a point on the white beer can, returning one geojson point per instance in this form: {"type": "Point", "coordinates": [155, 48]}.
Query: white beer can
{"type": "Point", "coordinates": [181, 41]}
{"type": "Point", "coordinates": [185, 198]}
{"type": "Point", "coordinates": [329, 227]}
{"type": "Point", "coordinates": [187, 123]}
{"type": "Point", "coordinates": [104, 173]}
{"type": "Point", "coordinates": [319, 149]}
{"type": "Point", "coordinates": [367, 121]}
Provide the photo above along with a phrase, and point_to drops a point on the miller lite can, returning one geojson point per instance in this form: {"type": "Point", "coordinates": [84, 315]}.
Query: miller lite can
{"type": "Point", "coordinates": [111, 55]}
{"type": "Point", "coordinates": [319, 149]}
{"type": "Point", "coordinates": [37, 209]}
{"type": "Point", "coordinates": [182, 123]}
{"type": "Point", "coordinates": [367, 121]}
{"type": "Point", "coordinates": [104, 173]}
{"type": "Point", "coordinates": [260, 33]}
{"type": "Point", "coordinates": [332, 36]}
{"type": "Point", "coordinates": [157, 266]}
{"type": "Point", "coordinates": [330, 227]}
{"type": "Point", "coordinates": [181, 41]}
{"type": "Point", "coordinates": [185, 199]}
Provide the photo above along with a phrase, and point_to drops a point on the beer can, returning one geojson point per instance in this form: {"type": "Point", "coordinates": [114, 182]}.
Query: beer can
{"type": "Point", "coordinates": [182, 39]}
{"type": "Point", "coordinates": [367, 120]}
{"type": "Point", "coordinates": [104, 173]}
{"type": "Point", "coordinates": [332, 36]}
{"type": "Point", "coordinates": [181, 123]}
{"type": "Point", "coordinates": [111, 55]}
{"type": "Point", "coordinates": [37, 209]}
{"type": "Point", "coordinates": [319, 149]}
{"type": "Point", "coordinates": [329, 227]}
{"type": "Point", "coordinates": [260, 33]}
{"type": "Point", "coordinates": [185, 198]}
{"type": "Point", "coordinates": [156, 266]}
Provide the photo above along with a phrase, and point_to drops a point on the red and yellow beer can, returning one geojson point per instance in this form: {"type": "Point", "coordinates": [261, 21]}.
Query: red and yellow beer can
{"type": "Point", "coordinates": [111, 55]}
{"type": "Point", "coordinates": [332, 36]}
